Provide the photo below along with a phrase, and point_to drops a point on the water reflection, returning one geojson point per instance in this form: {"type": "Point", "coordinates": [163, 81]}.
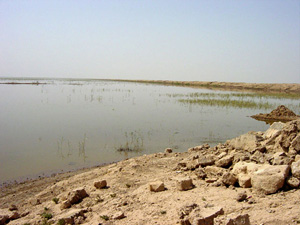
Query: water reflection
{"type": "Point", "coordinates": [73, 124]}
{"type": "Point", "coordinates": [65, 149]}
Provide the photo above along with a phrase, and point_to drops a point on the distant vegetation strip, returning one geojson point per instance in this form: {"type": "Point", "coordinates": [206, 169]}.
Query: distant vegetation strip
{"type": "Point", "coordinates": [242, 95]}
{"type": "Point", "coordinates": [229, 103]}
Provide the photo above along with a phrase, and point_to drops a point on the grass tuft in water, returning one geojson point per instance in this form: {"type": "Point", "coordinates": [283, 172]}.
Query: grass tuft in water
{"type": "Point", "coordinates": [229, 103]}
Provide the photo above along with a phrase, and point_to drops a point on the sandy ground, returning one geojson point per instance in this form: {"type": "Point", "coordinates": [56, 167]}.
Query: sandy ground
{"type": "Point", "coordinates": [128, 192]}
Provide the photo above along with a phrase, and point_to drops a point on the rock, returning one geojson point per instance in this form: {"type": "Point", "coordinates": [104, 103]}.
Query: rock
{"type": "Point", "coordinates": [185, 221]}
{"type": "Point", "coordinates": [6, 215]}
{"type": "Point", "coordinates": [100, 184]}
{"type": "Point", "coordinates": [295, 168]}
{"type": "Point", "coordinates": [297, 158]}
{"type": "Point", "coordinates": [77, 195]}
{"type": "Point", "coordinates": [295, 144]}
{"type": "Point", "coordinates": [66, 204]}
{"type": "Point", "coordinates": [225, 161]}
{"type": "Point", "coordinates": [118, 215]}
{"type": "Point", "coordinates": [214, 171]}
{"type": "Point", "coordinates": [199, 148]}
{"type": "Point", "coordinates": [206, 160]}
{"type": "Point", "coordinates": [240, 156]}
{"type": "Point", "coordinates": [274, 130]}
{"type": "Point", "coordinates": [264, 177]}
{"type": "Point", "coordinates": [246, 142]}
{"type": "Point", "coordinates": [192, 165]}
{"type": "Point", "coordinates": [200, 173]}
{"type": "Point", "coordinates": [14, 216]}
{"type": "Point", "coordinates": [13, 208]}
{"type": "Point", "coordinates": [240, 167]}
{"type": "Point", "coordinates": [4, 219]}
{"type": "Point", "coordinates": [241, 196]}
{"type": "Point", "coordinates": [229, 179]}
{"type": "Point", "coordinates": [293, 182]}
{"type": "Point", "coordinates": [269, 179]}
{"type": "Point", "coordinates": [288, 134]}
{"type": "Point", "coordinates": [157, 186]}
{"type": "Point", "coordinates": [168, 150]}
{"type": "Point", "coordinates": [184, 184]}
{"type": "Point", "coordinates": [257, 157]}
{"type": "Point", "coordinates": [211, 180]}
{"type": "Point", "coordinates": [186, 210]}
{"type": "Point", "coordinates": [35, 201]}
{"type": "Point", "coordinates": [280, 158]}
{"type": "Point", "coordinates": [70, 216]}
{"type": "Point", "coordinates": [238, 220]}
{"type": "Point", "coordinates": [206, 216]}
{"type": "Point", "coordinates": [223, 154]}
{"type": "Point", "coordinates": [244, 180]}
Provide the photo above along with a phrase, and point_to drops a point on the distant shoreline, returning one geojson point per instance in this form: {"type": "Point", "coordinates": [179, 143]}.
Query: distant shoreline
{"type": "Point", "coordinates": [265, 87]}
{"type": "Point", "coordinates": [238, 86]}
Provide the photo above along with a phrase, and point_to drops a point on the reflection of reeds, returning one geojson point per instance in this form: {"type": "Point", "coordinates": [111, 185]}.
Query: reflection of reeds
{"type": "Point", "coordinates": [229, 103]}
{"type": "Point", "coordinates": [60, 148]}
{"type": "Point", "coordinates": [134, 142]}
{"type": "Point", "coordinates": [81, 152]}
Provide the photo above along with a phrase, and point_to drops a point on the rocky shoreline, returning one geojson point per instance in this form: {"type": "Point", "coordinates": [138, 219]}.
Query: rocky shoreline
{"type": "Point", "coordinates": [251, 179]}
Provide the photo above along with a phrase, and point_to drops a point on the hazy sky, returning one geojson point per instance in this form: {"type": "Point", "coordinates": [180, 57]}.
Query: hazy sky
{"type": "Point", "coordinates": [206, 40]}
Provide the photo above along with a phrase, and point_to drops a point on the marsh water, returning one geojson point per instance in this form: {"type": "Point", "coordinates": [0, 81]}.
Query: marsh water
{"type": "Point", "coordinates": [62, 125]}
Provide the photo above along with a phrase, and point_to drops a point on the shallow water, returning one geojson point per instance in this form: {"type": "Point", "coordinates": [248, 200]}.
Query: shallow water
{"type": "Point", "coordinates": [65, 125]}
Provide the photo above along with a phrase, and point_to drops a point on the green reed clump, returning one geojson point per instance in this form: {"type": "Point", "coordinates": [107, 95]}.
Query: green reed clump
{"type": "Point", "coordinates": [229, 103]}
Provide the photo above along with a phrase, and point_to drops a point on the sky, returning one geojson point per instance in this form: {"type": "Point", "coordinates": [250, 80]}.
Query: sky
{"type": "Point", "coordinates": [202, 40]}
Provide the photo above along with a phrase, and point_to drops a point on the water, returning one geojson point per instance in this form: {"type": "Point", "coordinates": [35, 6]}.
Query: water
{"type": "Point", "coordinates": [65, 125]}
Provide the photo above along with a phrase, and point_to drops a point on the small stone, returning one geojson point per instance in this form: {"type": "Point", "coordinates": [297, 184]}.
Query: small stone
{"type": "Point", "coordinates": [168, 150]}
{"type": "Point", "coordinates": [118, 216]}
{"type": "Point", "coordinates": [4, 219]}
{"type": "Point", "coordinates": [225, 162]}
{"type": "Point", "coordinates": [238, 220]}
{"type": "Point", "coordinates": [241, 196]}
{"type": "Point", "coordinates": [14, 216]}
{"type": "Point", "coordinates": [207, 215]}
{"type": "Point", "coordinates": [66, 204]}
{"type": "Point", "coordinates": [296, 169]}
{"type": "Point", "coordinates": [206, 160]}
{"type": "Point", "coordinates": [200, 173]}
{"type": "Point", "coordinates": [251, 201]}
{"type": "Point", "coordinates": [157, 186]}
{"type": "Point", "coordinates": [35, 201]}
{"type": "Point", "coordinates": [293, 182]}
{"type": "Point", "coordinates": [100, 184]}
{"type": "Point", "coordinates": [211, 180]}
{"type": "Point", "coordinates": [77, 195]}
{"type": "Point", "coordinates": [229, 179]}
{"type": "Point", "coordinates": [13, 208]}
{"type": "Point", "coordinates": [184, 184]}
{"type": "Point", "coordinates": [244, 180]}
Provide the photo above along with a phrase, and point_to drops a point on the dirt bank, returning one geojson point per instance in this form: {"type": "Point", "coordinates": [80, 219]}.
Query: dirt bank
{"type": "Point", "coordinates": [253, 179]}
{"type": "Point", "coordinates": [265, 87]}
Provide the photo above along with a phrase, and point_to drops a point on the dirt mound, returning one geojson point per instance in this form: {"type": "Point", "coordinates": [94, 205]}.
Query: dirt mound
{"type": "Point", "coordinates": [281, 113]}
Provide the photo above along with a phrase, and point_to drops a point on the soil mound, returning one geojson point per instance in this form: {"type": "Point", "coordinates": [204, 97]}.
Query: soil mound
{"type": "Point", "coordinates": [281, 113]}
